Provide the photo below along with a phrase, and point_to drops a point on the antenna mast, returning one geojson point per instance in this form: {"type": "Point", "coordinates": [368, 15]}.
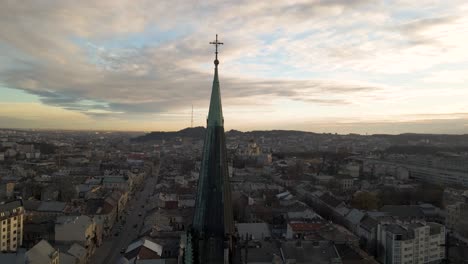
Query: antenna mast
{"type": "Point", "coordinates": [191, 121]}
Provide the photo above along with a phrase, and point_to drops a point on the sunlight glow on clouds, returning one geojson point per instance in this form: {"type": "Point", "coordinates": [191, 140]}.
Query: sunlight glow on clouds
{"type": "Point", "coordinates": [334, 66]}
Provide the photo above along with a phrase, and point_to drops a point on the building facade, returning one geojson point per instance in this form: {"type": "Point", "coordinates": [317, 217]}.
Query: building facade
{"type": "Point", "coordinates": [11, 226]}
{"type": "Point", "coordinates": [415, 243]}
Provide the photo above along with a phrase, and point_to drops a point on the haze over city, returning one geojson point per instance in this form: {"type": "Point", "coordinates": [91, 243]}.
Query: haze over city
{"type": "Point", "coordinates": [324, 66]}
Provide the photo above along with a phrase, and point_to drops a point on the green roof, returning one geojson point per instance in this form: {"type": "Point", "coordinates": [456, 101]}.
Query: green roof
{"type": "Point", "coordinates": [215, 115]}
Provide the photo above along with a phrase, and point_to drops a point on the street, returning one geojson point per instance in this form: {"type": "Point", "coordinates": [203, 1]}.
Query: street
{"type": "Point", "coordinates": [109, 251]}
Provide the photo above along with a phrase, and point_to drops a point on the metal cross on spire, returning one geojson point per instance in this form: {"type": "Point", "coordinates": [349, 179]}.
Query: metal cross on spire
{"type": "Point", "coordinates": [216, 43]}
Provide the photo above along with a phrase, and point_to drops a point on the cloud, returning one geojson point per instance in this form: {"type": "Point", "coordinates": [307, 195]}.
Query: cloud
{"type": "Point", "coordinates": [163, 87]}
{"type": "Point", "coordinates": [448, 77]}
{"type": "Point", "coordinates": [421, 31]}
{"type": "Point", "coordinates": [451, 123]}
{"type": "Point", "coordinates": [120, 59]}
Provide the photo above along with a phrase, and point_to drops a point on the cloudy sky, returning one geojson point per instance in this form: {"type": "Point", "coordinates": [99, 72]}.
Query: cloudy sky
{"type": "Point", "coordinates": [362, 66]}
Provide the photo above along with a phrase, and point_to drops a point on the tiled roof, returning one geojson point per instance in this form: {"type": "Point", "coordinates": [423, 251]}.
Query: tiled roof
{"type": "Point", "coordinates": [143, 249]}
{"type": "Point", "coordinates": [10, 206]}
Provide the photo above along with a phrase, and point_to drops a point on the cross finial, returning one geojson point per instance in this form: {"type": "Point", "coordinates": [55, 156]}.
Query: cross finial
{"type": "Point", "coordinates": [216, 43]}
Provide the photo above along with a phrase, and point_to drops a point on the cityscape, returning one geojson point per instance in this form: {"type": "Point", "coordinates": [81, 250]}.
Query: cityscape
{"type": "Point", "coordinates": [201, 188]}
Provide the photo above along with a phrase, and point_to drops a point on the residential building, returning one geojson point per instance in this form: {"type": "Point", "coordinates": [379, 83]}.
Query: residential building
{"type": "Point", "coordinates": [102, 211]}
{"type": "Point", "coordinates": [143, 249]}
{"type": "Point", "coordinates": [11, 225]}
{"type": "Point", "coordinates": [346, 182]}
{"type": "Point", "coordinates": [256, 231]}
{"type": "Point", "coordinates": [420, 172]}
{"type": "Point", "coordinates": [415, 243]}
{"type": "Point", "coordinates": [76, 229]}
{"type": "Point", "coordinates": [42, 253]}
{"type": "Point", "coordinates": [353, 169]}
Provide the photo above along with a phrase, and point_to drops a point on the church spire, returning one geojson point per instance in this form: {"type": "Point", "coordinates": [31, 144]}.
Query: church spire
{"type": "Point", "coordinates": [215, 115]}
{"type": "Point", "coordinates": [212, 235]}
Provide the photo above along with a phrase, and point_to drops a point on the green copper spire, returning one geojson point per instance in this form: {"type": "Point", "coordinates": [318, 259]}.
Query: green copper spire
{"type": "Point", "coordinates": [212, 232]}
{"type": "Point", "coordinates": [188, 256]}
{"type": "Point", "coordinates": [215, 115]}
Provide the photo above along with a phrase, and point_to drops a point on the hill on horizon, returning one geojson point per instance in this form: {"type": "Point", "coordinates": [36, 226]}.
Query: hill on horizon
{"type": "Point", "coordinates": [199, 133]}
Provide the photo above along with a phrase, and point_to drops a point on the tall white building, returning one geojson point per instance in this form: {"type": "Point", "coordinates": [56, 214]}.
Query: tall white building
{"type": "Point", "coordinates": [11, 226]}
{"type": "Point", "coordinates": [415, 243]}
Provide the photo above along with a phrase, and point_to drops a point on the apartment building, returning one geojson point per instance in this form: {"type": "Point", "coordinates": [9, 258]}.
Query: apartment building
{"type": "Point", "coordinates": [415, 243]}
{"type": "Point", "coordinates": [11, 226]}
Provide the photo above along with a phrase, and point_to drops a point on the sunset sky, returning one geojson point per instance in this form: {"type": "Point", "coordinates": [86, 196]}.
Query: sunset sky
{"type": "Point", "coordinates": [342, 66]}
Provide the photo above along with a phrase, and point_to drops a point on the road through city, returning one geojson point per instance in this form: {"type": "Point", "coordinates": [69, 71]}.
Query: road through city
{"type": "Point", "coordinates": [110, 251]}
